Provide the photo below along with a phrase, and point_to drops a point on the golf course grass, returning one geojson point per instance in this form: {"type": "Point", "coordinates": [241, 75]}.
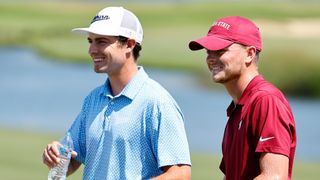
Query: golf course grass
{"type": "Point", "coordinates": [21, 158]}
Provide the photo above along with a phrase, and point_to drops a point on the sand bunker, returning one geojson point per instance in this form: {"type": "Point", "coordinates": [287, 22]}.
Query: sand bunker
{"type": "Point", "coordinates": [293, 28]}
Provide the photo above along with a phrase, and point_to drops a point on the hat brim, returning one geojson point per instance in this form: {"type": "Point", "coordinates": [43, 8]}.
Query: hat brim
{"type": "Point", "coordinates": [111, 32]}
{"type": "Point", "coordinates": [212, 43]}
{"type": "Point", "coordinates": [94, 31]}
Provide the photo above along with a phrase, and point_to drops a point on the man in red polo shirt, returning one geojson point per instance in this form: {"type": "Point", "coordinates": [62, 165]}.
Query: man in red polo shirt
{"type": "Point", "coordinates": [260, 136]}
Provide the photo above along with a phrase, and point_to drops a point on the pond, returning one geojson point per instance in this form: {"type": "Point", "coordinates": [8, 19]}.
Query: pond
{"type": "Point", "coordinates": [39, 94]}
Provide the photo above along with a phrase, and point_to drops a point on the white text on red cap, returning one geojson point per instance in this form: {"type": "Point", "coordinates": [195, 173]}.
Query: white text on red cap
{"type": "Point", "coordinates": [222, 24]}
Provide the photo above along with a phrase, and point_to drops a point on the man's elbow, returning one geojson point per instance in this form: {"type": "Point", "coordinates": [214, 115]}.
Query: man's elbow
{"type": "Point", "coordinates": [184, 172]}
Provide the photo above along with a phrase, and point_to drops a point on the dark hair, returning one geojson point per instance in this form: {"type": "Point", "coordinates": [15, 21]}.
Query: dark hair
{"type": "Point", "coordinates": [136, 50]}
{"type": "Point", "coordinates": [257, 54]}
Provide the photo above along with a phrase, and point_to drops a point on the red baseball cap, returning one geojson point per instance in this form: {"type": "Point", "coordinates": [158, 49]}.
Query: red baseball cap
{"type": "Point", "coordinates": [229, 30]}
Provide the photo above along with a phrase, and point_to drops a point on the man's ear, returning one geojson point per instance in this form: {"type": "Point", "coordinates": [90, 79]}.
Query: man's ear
{"type": "Point", "coordinates": [251, 54]}
{"type": "Point", "coordinates": [131, 43]}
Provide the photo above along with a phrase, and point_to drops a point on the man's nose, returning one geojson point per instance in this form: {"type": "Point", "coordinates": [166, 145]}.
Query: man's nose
{"type": "Point", "coordinates": [92, 49]}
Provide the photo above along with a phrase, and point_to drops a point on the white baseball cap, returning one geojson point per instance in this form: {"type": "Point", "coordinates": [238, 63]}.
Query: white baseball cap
{"type": "Point", "coordinates": [115, 21]}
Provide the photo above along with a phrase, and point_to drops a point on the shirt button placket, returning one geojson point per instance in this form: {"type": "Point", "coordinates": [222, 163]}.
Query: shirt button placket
{"type": "Point", "coordinates": [107, 114]}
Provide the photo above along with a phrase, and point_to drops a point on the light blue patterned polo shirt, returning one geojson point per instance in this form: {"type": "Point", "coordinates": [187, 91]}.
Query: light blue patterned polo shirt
{"type": "Point", "coordinates": [131, 135]}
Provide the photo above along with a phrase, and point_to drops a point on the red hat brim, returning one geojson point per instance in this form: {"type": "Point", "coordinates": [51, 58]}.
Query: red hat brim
{"type": "Point", "coordinates": [212, 43]}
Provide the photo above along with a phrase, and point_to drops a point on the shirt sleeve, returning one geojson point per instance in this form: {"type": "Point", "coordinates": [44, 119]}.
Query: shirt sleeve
{"type": "Point", "coordinates": [169, 138]}
{"type": "Point", "coordinates": [78, 133]}
{"type": "Point", "coordinates": [273, 125]}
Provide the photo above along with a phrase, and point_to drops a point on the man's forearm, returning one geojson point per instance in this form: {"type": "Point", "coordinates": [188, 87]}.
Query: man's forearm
{"type": "Point", "coordinates": [179, 172]}
{"type": "Point", "coordinates": [73, 166]}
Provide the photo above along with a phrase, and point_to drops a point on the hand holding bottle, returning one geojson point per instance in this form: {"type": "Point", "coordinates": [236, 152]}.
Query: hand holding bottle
{"type": "Point", "coordinates": [57, 157]}
{"type": "Point", "coordinates": [51, 154]}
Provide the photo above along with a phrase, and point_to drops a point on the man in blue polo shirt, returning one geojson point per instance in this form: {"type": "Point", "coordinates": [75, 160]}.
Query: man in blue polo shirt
{"type": "Point", "coordinates": [130, 127]}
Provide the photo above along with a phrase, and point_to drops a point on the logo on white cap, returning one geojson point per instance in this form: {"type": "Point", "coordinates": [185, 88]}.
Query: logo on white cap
{"type": "Point", "coordinates": [115, 21]}
{"type": "Point", "coordinates": [99, 18]}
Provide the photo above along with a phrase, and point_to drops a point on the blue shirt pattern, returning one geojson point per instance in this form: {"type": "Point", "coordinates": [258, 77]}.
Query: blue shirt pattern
{"type": "Point", "coordinates": [131, 135]}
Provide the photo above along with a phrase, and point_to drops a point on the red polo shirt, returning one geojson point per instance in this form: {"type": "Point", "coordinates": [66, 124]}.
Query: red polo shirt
{"type": "Point", "coordinates": [261, 121]}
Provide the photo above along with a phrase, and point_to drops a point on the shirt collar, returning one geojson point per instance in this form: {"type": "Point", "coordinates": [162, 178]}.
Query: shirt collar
{"type": "Point", "coordinates": [247, 92]}
{"type": "Point", "coordinates": [245, 95]}
{"type": "Point", "coordinates": [131, 89]}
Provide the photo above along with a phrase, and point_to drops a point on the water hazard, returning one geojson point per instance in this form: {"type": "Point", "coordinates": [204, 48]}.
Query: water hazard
{"type": "Point", "coordinates": [43, 95]}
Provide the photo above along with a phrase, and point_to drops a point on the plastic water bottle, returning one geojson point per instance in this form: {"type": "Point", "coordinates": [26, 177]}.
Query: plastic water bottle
{"type": "Point", "coordinates": [59, 172]}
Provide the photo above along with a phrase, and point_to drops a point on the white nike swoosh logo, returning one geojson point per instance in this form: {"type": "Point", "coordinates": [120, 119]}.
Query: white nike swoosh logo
{"type": "Point", "coordinates": [240, 125]}
{"type": "Point", "coordinates": [265, 139]}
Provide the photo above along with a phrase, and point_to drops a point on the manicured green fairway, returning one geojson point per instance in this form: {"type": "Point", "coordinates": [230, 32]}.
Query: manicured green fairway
{"type": "Point", "coordinates": [20, 158]}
